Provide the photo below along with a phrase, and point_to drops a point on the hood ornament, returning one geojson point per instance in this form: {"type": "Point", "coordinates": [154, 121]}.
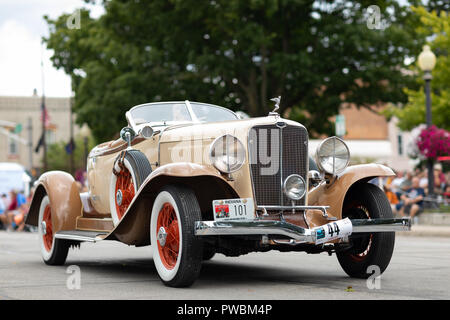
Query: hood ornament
{"type": "Point", "coordinates": [277, 101]}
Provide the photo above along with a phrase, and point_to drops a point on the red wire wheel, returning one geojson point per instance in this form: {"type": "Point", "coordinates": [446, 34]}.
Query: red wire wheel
{"type": "Point", "coordinates": [124, 184]}
{"type": "Point", "coordinates": [168, 252]}
{"type": "Point", "coordinates": [48, 234]}
{"type": "Point", "coordinates": [364, 213]}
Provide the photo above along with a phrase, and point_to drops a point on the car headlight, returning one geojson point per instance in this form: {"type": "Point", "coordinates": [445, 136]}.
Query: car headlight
{"type": "Point", "coordinates": [227, 153]}
{"type": "Point", "coordinates": [332, 155]}
{"type": "Point", "coordinates": [294, 187]}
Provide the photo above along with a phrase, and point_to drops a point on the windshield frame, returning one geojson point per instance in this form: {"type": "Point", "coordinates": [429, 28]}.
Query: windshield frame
{"type": "Point", "coordinates": [187, 103]}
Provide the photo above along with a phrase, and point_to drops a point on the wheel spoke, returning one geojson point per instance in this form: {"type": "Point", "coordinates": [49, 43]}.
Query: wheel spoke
{"type": "Point", "coordinates": [168, 220]}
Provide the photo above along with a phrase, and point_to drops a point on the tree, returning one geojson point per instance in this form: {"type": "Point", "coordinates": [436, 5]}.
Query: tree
{"type": "Point", "coordinates": [413, 113]}
{"type": "Point", "coordinates": [59, 159]}
{"type": "Point", "coordinates": [316, 54]}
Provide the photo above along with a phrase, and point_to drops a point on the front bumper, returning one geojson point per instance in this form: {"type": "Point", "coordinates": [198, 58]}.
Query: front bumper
{"type": "Point", "coordinates": [297, 233]}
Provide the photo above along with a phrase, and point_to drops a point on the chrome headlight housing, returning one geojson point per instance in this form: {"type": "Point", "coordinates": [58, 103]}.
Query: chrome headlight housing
{"type": "Point", "coordinates": [294, 187]}
{"type": "Point", "coordinates": [227, 153]}
{"type": "Point", "coordinates": [332, 155]}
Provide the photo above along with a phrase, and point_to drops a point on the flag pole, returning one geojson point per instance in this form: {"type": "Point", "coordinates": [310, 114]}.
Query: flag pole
{"type": "Point", "coordinates": [44, 113]}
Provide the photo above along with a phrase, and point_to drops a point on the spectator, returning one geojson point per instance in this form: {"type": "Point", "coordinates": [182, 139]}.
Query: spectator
{"type": "Point", "coordinates": [21, 212]}
{"type": "Point", "coordinates": [413, 199]}
{"type": "Point", "coordinates": [407, 182]}
{"type": "Point", "coordinates": [10, 211]}
{"type": "Point", "coordinates": [396, 182]}
{"type": "Point", "coordinates": [392, 197]}
{"type": "Point", "coordinates": [3, 216]}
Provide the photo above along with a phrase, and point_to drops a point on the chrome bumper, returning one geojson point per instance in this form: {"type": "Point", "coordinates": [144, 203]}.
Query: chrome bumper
{"type": "Point", "coordinates": [283, 228]}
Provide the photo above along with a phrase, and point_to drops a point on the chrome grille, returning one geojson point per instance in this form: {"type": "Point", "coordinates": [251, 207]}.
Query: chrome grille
{"type": "Point", "coordinates": [275, 152]}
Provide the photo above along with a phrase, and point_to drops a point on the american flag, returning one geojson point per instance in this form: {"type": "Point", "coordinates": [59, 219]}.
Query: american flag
{"type": "Point", "coordinates": [45, 114]}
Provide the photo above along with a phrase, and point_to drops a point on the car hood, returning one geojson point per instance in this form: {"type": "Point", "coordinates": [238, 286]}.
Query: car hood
{"type": "Point", "coordinates": [212, 130]}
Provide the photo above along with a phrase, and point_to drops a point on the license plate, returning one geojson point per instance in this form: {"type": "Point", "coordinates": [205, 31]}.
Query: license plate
{"type": "Point", "coordinates": [333, 230]}
{"type": "Point", "coordinates": [233, 209]}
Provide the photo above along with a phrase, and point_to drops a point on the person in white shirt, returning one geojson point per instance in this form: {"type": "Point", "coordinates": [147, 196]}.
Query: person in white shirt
{"type": "Point", "coordinates": [3, 215]}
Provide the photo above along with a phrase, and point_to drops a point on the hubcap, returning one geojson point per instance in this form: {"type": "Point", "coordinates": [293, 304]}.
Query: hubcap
{"type": "Point", "coordinates": [119, 197]}
{"type": "Point", "coordinates": [47, 232]}
{"type": "Point", "coordinates": [162, 235]}
{"type": "Point", "coordinates": [44, 228]}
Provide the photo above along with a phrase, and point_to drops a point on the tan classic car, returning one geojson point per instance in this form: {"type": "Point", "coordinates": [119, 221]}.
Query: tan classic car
{"type": "Point", "coordinates": [193, 179]}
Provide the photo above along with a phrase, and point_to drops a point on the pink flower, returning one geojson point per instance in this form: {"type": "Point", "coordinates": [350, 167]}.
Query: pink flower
{"type": "Point", "coordinates": [434, 142]}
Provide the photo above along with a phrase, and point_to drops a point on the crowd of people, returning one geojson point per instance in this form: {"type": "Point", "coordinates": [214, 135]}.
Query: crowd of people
{"type": "Point", "coordinates": [13, 210]}
{"type": "Point", "coordinates": [409, 193]}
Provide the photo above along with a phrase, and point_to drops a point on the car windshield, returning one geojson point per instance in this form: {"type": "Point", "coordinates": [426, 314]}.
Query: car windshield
{"type": "Point", "coordinates": [210, 113]}
{"type": "Point", "coordinates": [161, 112]}
{"type": "Point", "coordinates": [178, 112]}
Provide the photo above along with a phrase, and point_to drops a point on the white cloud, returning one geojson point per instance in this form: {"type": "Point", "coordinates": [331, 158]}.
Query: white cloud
{"type": "Point", "coordinates": [21, 29]}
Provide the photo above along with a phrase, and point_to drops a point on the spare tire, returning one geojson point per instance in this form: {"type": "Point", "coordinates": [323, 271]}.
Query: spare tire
{"type": "Point", "coordinates": [131, 168]}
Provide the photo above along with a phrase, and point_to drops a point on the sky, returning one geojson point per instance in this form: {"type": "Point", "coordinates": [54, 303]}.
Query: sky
{"type": "Point", "coordinates": [22, 27]}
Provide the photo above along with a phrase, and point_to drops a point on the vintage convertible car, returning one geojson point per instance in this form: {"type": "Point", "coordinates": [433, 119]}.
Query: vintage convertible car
{"type": "Point", "coordinates": [193, 179]}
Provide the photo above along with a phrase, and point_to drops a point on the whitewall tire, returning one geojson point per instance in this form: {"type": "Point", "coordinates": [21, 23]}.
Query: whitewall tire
{"type": "Point", "coordinates": [53, 251]}
{"type": "Point", "coordinates": [177, 252]}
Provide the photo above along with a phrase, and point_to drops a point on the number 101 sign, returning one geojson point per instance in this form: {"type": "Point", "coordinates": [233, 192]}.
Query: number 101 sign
{"type": "Point", "coordinates": [233, 209]}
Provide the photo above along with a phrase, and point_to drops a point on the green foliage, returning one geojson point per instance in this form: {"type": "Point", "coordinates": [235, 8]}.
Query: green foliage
{"type": "Point", "coordinates": [58, 159]}
{"type": "Point", "coordinates": [413, 112]}
{"type": "Point", "coordinates": [239, 54]}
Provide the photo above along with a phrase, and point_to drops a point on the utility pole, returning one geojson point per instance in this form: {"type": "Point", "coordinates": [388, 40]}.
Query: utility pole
{"type": "Point", "coordinates": [30, 143]}
{"type": "Point", "coordinates": [44, 114]}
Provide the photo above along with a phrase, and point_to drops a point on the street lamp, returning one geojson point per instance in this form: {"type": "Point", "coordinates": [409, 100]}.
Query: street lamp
{"type": "Point", "coordinates": [84, 131]}
{"type": "Point", "coordinates": [427, 61]}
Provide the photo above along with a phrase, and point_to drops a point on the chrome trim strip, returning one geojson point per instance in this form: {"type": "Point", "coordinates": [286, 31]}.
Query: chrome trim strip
{"type": "Point", "coordinates": [281, 161]}
{"type": "Point", "coordinates": [381, 225]}
{"type": "Point", "coordinates": [77, 238]}
{"type": "Point", "coordinates": [254, 227]}
{"type": "Point", "coordinates": [321, 208]}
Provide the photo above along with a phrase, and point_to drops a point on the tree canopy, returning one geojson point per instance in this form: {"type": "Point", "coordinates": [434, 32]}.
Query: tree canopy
{"type": "Point", "coordinates": [316, 54]}
{"type": "Point", "coordinates": [437, 28]}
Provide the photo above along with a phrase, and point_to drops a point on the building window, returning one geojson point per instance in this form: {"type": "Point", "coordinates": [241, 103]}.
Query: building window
{"type": "Point", "coordinates": [13, 147]}
{"type": "Point", "coordinates": [50, 137]}
{"type": "Point", "coordinates": [400, 144]}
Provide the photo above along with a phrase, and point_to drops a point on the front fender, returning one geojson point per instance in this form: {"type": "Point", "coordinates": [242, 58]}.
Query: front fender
{"type": "Point", "coordinates": [333, 195]}
{"type": "Point", "coordinates": [64, 196]}
{"type": "Point", "coordinates": [134, 227]}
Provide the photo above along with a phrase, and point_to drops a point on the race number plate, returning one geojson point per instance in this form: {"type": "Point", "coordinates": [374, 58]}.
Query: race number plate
{"type": "Point", "coordinates": [333, 230]}
{"type": "Point", "coordinates": [233, 209]}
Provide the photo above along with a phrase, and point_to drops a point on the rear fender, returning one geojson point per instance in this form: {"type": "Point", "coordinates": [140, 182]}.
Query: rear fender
{"type": "Point", "coordinates": [65, 202]}
{"type": "Point", "coordinates": [333, 195]}
{"type": "Point", "coordinates": [206, 182]}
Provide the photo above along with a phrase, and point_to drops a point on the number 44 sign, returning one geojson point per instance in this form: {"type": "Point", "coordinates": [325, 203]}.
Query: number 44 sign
{"type": "Point", "coordinates": [333, 230]}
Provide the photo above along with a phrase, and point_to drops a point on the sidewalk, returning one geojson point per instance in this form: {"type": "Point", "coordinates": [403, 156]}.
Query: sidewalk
{"type": "Point", "coordinates": [426, 231]}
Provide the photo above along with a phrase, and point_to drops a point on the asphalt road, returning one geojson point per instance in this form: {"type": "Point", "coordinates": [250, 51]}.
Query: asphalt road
{"type": "Point", "coordinates": [419, 269]}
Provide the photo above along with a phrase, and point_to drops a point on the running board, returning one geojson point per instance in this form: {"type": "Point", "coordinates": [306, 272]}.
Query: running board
{"type": "Point", "coordinates": [79, 235]}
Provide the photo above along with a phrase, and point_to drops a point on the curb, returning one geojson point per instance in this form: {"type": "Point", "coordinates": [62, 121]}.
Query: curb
{"type": "Point", "coordinates": [426, 231]}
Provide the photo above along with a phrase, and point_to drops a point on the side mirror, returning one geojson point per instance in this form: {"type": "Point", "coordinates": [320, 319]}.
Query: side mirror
{"type": "Point", "coordinates": [314, 177]}
{"type": "Point", "coordinates": [127, 134]}
{"type": "Point", "coordinates": [147, 132]}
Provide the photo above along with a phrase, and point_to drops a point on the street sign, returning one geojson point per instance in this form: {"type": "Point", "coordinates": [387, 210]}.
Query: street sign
{"type": "Point", "coordinates": [340, 125]}
{"type": "Point", "coordinates": [18, 128]}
